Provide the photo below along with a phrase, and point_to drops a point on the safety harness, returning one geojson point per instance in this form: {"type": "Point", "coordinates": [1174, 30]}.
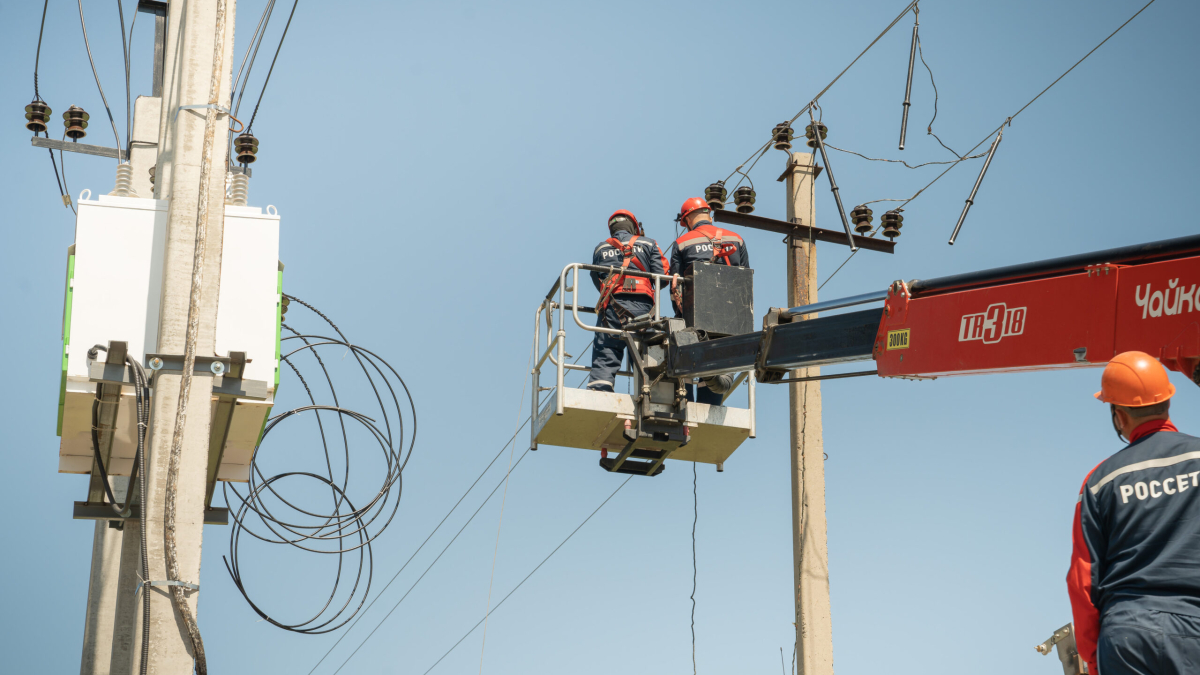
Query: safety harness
{"type": "Point", "coordinates": [617, 281]}
{"type": "Point", "coordinates": [721, 248]}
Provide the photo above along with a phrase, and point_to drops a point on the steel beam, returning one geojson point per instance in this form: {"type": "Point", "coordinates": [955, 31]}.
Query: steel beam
{"type": "Point", "coordinates": [802, 232]}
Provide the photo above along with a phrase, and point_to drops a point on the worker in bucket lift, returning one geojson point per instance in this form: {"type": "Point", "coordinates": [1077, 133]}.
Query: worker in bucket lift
{"type": "Point", "coordinates": [622, 297]}
{"type": "Point", "coordinates": [1134, 579]}
{"type": "Point", "coordinates": [704, 242]}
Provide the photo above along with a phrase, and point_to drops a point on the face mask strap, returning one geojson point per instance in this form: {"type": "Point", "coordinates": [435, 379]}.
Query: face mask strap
{"type": "Point", "coordinates": [1116, 427]}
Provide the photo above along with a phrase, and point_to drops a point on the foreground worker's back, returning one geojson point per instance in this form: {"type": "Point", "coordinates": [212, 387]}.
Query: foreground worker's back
{"type": "Point", "coordinates": [1136, 567]}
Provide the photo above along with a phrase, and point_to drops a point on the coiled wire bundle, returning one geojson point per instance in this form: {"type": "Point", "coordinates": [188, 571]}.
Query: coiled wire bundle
{"type": "Point", "coordinates": [341, 527]}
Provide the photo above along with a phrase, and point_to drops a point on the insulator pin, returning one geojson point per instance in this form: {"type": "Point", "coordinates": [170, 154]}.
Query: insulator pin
{"type": "Point", "coordinates": [743, 197]}
{"type": "Point", "coordinates": [37, 116]}
{"type": "Point", "coordinates": [715, 195]}
{"type": "Point", "coordinates": [782, 135]}
{"type": "Point", "coordinates": [892, 221]}
{"type": "Point", "coordinates": [861, 215]}
{"type": "Point", "coordinates": [76, 122]}
{"type": "Point", "coordinates": [808, 133]}
{"type": "Point", "coordinates": [246, 148]}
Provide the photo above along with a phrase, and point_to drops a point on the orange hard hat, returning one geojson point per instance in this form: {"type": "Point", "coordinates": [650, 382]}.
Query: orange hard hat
{"type": "Point", "coordinates": [691, 205]}
{"type": "Point", "coordinates": [1134, 380]}
{"type": "Point", "coordinates": [622, 213]}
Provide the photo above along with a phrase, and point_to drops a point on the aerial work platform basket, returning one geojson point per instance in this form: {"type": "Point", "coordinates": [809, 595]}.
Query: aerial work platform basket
{"type": "Point", "coordinates": [635, 433]}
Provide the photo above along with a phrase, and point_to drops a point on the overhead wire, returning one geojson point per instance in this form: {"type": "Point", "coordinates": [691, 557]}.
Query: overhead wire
{"type": "Point", "coordinates": [272, 68]}
{"type": "Point", "coordinates": [832, 82]}
{"type": "Point", "coordinates": [125, 45]}
{"type": "Point", "coordinates": [514, 466]}
{"type": "Point", "coordinates": [503, 501]}
{"type": "Point", "coordinates": [531, 573]}
{"type": "Point", "coordinates": [37, 95]}
{"type": "Point", "coordinates": [248, 61]}
{"type": "Point", "coordinates": [87, 45]}
{"type": "Point", "coordinates": [695, 519]}
{"type": "Point", "coordinates": [1007, 121]}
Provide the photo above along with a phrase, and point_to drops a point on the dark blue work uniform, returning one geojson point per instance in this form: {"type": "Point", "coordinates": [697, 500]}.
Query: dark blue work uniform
{"type": "Point", "coordinates": [1134, 580]}
{"type": "Point", "coordinates": [608, 350]}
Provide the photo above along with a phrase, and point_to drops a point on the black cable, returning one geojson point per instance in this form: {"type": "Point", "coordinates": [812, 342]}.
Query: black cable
{"type": "Point", "coordinates": [414, 554]}
{"type": "Point", "coordinates": [929, 129]}
{"type": "Point", "coordinates": [88, 46]}
{"type": "Point", "coordinates": [38, 58]}
{"type": "Point", "coordinates": [126, 43]}
{"type": "Point", "coordinates": [695, 519]}
{"type": "Point", "coordinates": [795, 117]}
{"type": "Point", "coordinates": [251, 56]}
{"type": "Point", "coordinates": [344, 528]}
{"type": "Point", "coordinates": [1014, 115]}
{"type": "Point", "coordinates": [539, 566]}
{"type": "Point", "coordinates": [272, 68]}
{"type": "Point", "coordinates": [900, 161]}
{"type": "Point", "coordinates": [444, 549]}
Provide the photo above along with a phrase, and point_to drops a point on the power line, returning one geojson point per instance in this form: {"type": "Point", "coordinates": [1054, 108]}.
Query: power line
{"type": "Point", "coordinates": [1007, 120]}
{"type": "Point", "coordinates": [435, 561]}
{"type": "Point", "coordinates": [272, 68]}
{"type": "Point", "coordinates": [810, 104]}
{"type": "Point", "coordinates": [1014, 115]}
{"type": "Point", "coordinates": [430, 536]}
{"type": "Point", "coordinates": [539, 566]}
{"type": "Point", "coordinates": [88, 46]}
{"type": "Point", "coordinates": [695, 519]}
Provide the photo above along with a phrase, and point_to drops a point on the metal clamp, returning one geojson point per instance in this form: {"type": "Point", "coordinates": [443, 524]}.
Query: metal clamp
{"type": "Point", "coordinates": [200, 106]}
{"type": "Point", "coordinates": [167, 582]}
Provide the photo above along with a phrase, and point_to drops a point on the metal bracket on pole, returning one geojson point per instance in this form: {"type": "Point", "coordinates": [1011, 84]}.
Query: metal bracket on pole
{"type": "Point", "coordinates": [200, 106]}
{"type": "Point", "coordinates": [227, 382]}
{"type": "Point", "coordinates": [166, 582]}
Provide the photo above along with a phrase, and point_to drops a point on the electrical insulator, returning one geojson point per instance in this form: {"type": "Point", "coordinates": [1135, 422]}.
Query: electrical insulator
{"type": "Point", "coordinates": [781, 135]}
{"type": "Point", "coordinates": [76, 121]}
{"type": "Point", "coordinates": [715, 195]}
{"type": "Point", "coordinates": [744, 198]}
{"type": "Point", "coordinates": [892, 222]}
{"type": "Point", "coordinates": [861, 215]}
{"type": "Point", "coordinates": [124, 184]}
{"type": "Point", "coordinates": [239, 189]}
{"type": "Point", "coordinates": [37, 115]}
{"type": "Point", "coordinates": [152, 174]}
{"type": "Point", "coordinates": [808, 133]}
{"type": "Point", "coordinates": [246, 147]}
{"type": "Point", "coordinates": [283, 307]}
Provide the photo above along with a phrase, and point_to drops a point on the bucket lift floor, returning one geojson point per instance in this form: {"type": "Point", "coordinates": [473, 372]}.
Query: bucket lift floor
{"type": "Point", "coordinates": [595, 420]}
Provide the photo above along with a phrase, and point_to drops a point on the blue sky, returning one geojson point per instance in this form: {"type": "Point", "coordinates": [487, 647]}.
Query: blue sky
{"type": "Point", "coordinates": [436, 164]}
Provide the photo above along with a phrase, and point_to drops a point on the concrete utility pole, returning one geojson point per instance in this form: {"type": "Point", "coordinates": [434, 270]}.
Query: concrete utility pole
{"type": "Point", "coordinates": [810, 553]}
{"type": "Point", "coordinates": [103, 591]}
{"type": "Point", "coordinates": [193, 27]}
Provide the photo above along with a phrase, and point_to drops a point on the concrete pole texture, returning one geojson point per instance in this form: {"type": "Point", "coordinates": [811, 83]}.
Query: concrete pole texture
{"type": "Point", "coordinates": [810, 553]}
{"type": "Point", "coordinates": [102, 591]}
{"type": "Point", "coordinates": [187, 73]}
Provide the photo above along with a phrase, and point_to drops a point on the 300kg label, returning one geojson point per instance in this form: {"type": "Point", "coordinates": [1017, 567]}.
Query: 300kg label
{"type": "Point", "coordinates": [897, 339]}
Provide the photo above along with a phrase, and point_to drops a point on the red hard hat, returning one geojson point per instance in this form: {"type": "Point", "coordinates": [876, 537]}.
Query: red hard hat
{"type": "Point", "coordinates": [1134, 380]}
{"type": "Point", "coordinates": [691, 205]}
{"type": "Point", "coordinates": [627, 214]}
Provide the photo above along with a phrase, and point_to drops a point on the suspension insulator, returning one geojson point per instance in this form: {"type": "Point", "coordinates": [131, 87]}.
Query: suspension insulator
{"type": "Point", "coordinates": [812, 139]}
{"type": "Point", "coordinates": [861, 215]}
{"type": "Point", "coordinates": [246, 147]}
{"type": "Point", "coordinates": [715, 195]}
{"type": "Point", "coordinates": [743, 197]}
{"type": "Point", "coordinates": [892, 222]}
{"type": "Point", "coordinates": [781, 135]}
{"type": "Point", "coordinates": [76, 122]}
{"type": "Point", "coordinates": [283, 307]}
{"type": "Point", "coordinates": [37, 115]}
